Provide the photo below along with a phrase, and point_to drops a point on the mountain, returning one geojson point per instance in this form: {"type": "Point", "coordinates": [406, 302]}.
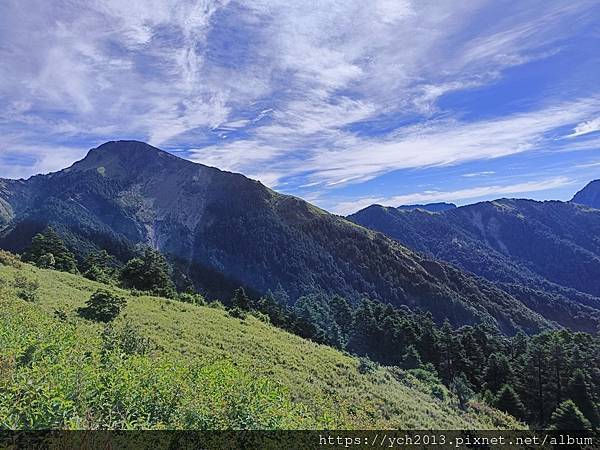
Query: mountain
{"type": "Point", "coordinates": [224, 230]}
{"type": "Point", "coordinates": [547, 254]}
{"type": "Point", "coordinates": [589, 195]}
{"type": "Point", "coordinates": [431, 207]}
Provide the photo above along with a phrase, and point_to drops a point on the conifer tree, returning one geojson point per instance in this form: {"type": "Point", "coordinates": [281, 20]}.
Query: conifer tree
{"type": "Point", "coordinates": [508, 401]}
{"type": "Point", "coordinates": [497, 372]}
{"type": "Point", "coordinates": [240, 299]}
{"type": "Point", "coordinates": [579, 392]}
{"type": "Point", "coordinates": [568, 417]}
{"type": "Point", "coordinates": [149, 273]}
{"type": "Point", "coordinates": [49, 251]}
{"type": "Point", "coordinates": [411, 359]}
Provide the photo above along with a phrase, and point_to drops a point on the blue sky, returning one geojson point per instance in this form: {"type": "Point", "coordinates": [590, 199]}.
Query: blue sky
{"type": "Point", "coordinates": [344, 103]}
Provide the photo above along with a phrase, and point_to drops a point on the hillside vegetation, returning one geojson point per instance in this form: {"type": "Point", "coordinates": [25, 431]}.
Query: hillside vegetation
{"type": "Point", "coordinates": [546, 254]}
{"type": "Point", "coordinates": [166, 364]}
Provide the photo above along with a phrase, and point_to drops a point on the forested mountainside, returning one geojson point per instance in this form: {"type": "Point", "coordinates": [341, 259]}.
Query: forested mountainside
{"type": "Point", "coordinates": [547, 254]}
{"type": "Point", "coordinates": [223, 230]}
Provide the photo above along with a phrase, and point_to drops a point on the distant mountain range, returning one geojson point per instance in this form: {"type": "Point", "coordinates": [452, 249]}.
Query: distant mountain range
{"type": "Point", "coordinates": [224, 230]}
{"type": "Point", "coordinates": [431, 207]}
{"type": "Point", "coordinates": [546, 254]}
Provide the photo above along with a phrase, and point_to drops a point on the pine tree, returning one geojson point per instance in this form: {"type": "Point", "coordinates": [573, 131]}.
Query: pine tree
{"type": "Point", "coordinates": [579, 392]}
{"type": "Point", "coordinates": [447, 346]}
{"type": "Point", "coordinates": [508, 401]}
{"type": "Point", "coordinates": [568, 417]}
{"type": "Point", "coordinates": [49, 251]}
{"type": "Point", "coordinates": [473, 356]}
{"type": "Point", "coordinates": [150, 273]}
{"type": "Point", "coordinates": [535, 381]}
{"type": "Point", "coordinates": [342, 313]}
{"type": "Point", "coordinates": [240, 299]}
{"type": "Point", "coordinates": [411, 359]}
{"type": "Point", "coordinates": [497, 372]}
{"type": "Point", "coordinates": [462, 389]}
{"type": "Point", "coordinates": [99, 266]}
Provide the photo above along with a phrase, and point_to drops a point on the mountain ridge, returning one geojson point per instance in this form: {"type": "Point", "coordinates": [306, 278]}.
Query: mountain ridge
{"type": "Point", "coordinates": [589, 195]}
{"type": "Point", "coordinates": [223, 229]}
{"type": "Point", "coordinates": [431, 207]}
{"type": "Point", "coordinates": [542, 252]}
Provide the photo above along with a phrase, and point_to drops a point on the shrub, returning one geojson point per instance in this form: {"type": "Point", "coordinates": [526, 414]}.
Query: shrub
{"type": "Point", "coordinates": [46, 261]}
{"type": "Point", "coordinates": [126, 340]}
{"type": "Point", "coordinates": [150, 273]}
{"type": "Point", "coordinates": [61, 315]}
{"type": "Point", "coordinates": [439, 391]}
{"type": "Point", "coordinates": [261, 316]}
{"type": "Point", "coordinates": [103, 306]}
{"type": "Point", "coordinates": [26, 289]}
{"type": "Point", "coordinates": [216, 304]}
{"type": "Point", "coordinates": [193, 298]}
{"type": "Point", "coordinates": [365, 365]}
{"type": "Point", "coordinates": [238, 312]}
{"type": "Point", "coordinates": [8, 259]}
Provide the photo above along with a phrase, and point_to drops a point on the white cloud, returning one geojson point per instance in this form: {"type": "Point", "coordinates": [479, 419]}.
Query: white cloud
{"type": "Point", "coordinates": [348, 158]}
{"type": "Point", "coordinates": [590, 126]}
{"type": "Point", "coordinates": [495, 191]}
{"type": "Point", "coordinates": [20, 161]}
{"type": "Point", "coordinates": [184, 73]}
{"type": "Point", "coordinates": [478, 174]}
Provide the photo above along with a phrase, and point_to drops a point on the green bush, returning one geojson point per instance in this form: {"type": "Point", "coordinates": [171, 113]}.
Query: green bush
{"type": "Point", "coordinates": [149, 273]}
{"type": "Point", "coordinates": [125, 339]}
{"type": "Point", "coordinates": [216, 304]}
{"type": "Point", "coordinates": [26, 289]}
{"type": "Point", "coordinates": [103, 306]}
{"type": "Point", "coordinates": [238, 313]}
{"type": "Point", "coordinates": [193, 298]}
{"type": "Point", "coordinates": [365, 365]}
{"type": "Point", "coordinates": [8, 259]}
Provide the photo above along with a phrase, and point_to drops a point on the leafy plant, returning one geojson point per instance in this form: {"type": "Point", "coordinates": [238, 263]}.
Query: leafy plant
{"type": "Point", "coordinates": [150, 273]}
{"type": "Point", "coordinates": [103, 306]}
{"type": "Point", "coordinates": [365, 365]}
{"type": "Point", "coordinates": [26, 289]}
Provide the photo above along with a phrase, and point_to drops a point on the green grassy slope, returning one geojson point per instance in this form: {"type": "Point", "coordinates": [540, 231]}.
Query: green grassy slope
{"type": "Point", "coordinates": [205, 369]}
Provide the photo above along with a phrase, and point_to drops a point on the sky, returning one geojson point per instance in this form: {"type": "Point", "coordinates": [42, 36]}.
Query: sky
{"type": "Point", "coordinates": [344, 103]}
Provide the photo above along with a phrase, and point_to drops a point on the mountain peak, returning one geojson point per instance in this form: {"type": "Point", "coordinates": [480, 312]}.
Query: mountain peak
{"type": "Point", "coordinates": [126, 148]}
{"type": "Point", "coordinates": [589, 195]}
{"type": "Point", "coordinates": [122, 158]}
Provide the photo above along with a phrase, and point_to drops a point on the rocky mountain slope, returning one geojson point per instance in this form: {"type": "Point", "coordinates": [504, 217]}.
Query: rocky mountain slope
{"type": "Point", "coordinates": [225, 230]}
{"type": "Point", "coordinates": [589, 195]}
{"type": "Point", "coordinates": [547, 254]}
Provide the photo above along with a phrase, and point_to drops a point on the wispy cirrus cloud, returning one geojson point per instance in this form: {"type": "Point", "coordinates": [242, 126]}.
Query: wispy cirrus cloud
{"type": "Point", "coordinates": [474, 193]}
{"type": "Point", "coordinates": [307, 97]}
{"type": "Point", "coordinates": [590, 126]}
